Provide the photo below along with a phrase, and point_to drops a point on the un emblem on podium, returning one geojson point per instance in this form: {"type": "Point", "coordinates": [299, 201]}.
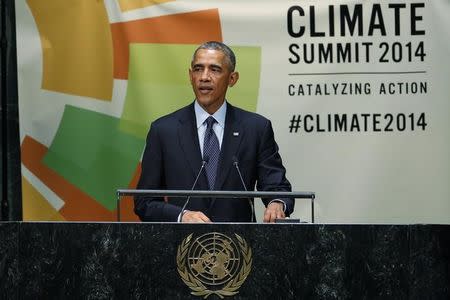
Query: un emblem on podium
{"type": "Point", "coordinates": [214, 263]}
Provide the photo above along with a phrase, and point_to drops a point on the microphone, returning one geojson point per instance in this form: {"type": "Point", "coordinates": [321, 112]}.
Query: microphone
{"type": "Point", "coordinates": [250, 202]}
{"type": "Point", "coordinates": [204, 162]}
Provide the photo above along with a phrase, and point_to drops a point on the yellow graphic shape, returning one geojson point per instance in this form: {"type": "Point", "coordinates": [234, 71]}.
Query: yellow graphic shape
{"type": "Point", "coordinates": [35, 207]}
{"type": "Point", "coordinates": [76, 47]}
{"type": "Point", "coordinates": [126, 5]}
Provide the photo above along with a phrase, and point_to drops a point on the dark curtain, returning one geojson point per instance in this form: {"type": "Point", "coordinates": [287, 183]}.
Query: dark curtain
{"type": "Point", "coordinates": [10, 183]}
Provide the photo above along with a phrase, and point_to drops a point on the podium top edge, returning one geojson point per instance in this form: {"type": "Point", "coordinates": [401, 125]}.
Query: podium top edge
{"type": "Point", "coordinates": [216, 194]}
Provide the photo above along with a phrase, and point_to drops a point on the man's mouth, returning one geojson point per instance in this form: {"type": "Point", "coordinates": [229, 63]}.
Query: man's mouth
{"type": "Point", "coordinates": [205, 89]}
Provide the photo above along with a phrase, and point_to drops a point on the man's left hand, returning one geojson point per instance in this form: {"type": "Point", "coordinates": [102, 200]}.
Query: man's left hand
{"type": "Point", "coordinates": [274, 211]}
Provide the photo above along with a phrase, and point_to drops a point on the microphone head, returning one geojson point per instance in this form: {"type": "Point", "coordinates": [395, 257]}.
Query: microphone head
{"type": "Point", "coordinates": [234, 159]}
{"type": "Point", "coordinates": [205, 159]}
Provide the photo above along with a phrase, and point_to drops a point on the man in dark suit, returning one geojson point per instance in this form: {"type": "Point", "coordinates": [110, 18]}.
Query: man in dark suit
{"type": "Point", "coordinates": [209, 136]}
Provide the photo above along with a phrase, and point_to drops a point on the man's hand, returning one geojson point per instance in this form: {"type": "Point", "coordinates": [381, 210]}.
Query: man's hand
{"type": "Point", "coordinates": [274, 211]}
{"type": "Point", "coordinates": [194, 217]}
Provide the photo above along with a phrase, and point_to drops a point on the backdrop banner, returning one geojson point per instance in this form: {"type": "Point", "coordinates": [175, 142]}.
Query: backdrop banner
{"type": "Point", "coordinates": [357, 92]}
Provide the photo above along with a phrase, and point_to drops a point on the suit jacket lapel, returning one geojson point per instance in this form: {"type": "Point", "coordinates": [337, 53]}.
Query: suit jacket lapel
{"type": "Point", "coordinates": [232, 138]}
{"type": "Point", "coordinates": [188, 137]}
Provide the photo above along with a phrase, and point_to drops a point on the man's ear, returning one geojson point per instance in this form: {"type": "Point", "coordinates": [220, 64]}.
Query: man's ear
{"type": "Point", "coordinates": [190, 76]}
{"type": "Point", "coordinates": [234, 77]}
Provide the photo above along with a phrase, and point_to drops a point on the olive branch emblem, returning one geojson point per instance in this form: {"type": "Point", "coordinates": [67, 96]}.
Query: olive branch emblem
{"type": "Point", "coordinates": [198, 287]}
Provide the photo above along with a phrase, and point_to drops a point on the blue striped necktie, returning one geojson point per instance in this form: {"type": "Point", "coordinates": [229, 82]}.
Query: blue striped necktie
{"type": "Point", "coordinates": [211, 152]}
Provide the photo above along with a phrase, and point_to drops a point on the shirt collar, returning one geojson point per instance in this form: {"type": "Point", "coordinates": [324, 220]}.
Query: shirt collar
{"type": "Point", "coordinates": [201, 115]}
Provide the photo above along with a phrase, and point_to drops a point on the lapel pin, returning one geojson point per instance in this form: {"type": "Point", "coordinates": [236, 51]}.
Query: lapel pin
{"type": "Point", "coordinates": [235, 133]}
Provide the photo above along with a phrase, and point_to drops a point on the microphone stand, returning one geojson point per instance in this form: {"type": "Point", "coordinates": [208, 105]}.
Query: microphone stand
{"type": "Point", "coordinates": [193, 186]}
{"type": "Point", "coordinates": [252, 206]}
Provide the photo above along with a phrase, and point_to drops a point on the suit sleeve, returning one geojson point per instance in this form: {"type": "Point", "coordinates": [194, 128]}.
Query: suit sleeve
{"type": "Point", "coordinates": [154, 209]}
{"type": "Point", "coordinates": [271, 172]}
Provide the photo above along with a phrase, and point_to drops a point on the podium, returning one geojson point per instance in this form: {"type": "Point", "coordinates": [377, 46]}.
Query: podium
{"type": "Point", "coordinates": [288, 261]}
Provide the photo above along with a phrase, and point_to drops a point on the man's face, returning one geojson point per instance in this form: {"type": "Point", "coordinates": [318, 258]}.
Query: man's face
{"type": "Point", "coordinates": [211, 76]}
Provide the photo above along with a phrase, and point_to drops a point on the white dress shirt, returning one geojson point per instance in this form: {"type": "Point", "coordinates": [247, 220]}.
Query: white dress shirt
{"type": "Point", "coordinates": [201, 115]}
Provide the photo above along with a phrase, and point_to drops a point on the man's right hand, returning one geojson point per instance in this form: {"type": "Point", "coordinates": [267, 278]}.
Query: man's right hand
{"type": "Point", "coordinates": [194, 217]}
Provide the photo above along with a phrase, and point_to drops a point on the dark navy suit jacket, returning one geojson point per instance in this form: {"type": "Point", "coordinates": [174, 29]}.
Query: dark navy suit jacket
{"type": "Point", "coordinates": [172, 159]}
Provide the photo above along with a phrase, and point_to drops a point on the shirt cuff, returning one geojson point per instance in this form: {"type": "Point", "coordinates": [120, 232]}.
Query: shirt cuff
{"type": "Point", "coordinates": [180, 216]}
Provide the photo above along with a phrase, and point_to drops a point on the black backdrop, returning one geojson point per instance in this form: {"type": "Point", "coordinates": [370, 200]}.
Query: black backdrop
{"type": "Point", "coordinates": [10, 178]}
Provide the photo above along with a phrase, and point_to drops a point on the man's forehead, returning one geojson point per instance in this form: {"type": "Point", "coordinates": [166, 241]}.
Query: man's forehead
{"type": "Point", "coordinates": [208, 56]}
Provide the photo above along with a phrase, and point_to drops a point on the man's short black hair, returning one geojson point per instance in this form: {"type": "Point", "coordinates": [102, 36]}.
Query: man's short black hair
{"type": "Point", "coordinates": [213, 45]}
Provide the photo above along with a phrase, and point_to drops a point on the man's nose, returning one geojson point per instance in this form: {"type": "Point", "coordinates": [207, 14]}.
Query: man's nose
{"type": "Point", "coordinates": [205, 76]}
